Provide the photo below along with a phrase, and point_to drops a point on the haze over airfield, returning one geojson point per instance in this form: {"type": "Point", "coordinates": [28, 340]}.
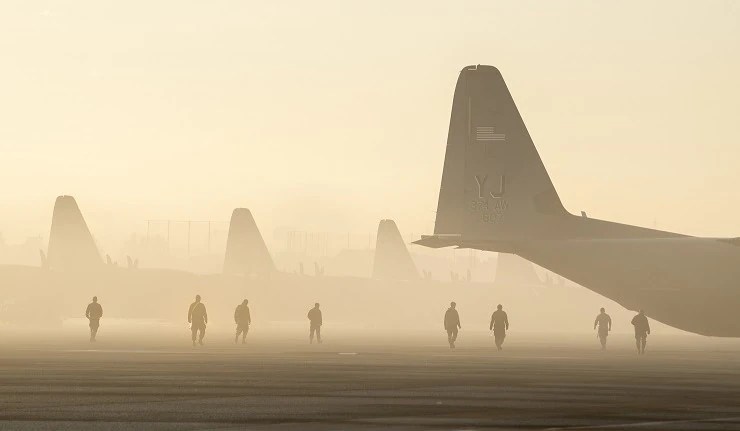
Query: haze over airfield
{"type": "Point", "coordinates": [331, 116]}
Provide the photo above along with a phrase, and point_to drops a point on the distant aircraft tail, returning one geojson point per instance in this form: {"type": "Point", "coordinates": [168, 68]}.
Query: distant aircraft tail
{"type": "Point", "coordinates": [494, 185]}
{"type": "Point", "coordinates": [392, 258]}
{"type": "Point", "coordinates": [71, 246]}
{"type": "Point", "coordinates": [246, 251]}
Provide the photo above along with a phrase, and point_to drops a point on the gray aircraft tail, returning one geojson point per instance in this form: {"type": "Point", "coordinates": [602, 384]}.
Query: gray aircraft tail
{"type": "Point", "coordinates": [392, 258]}
{"type": "Point", "coordinates": [495, 190]}
{"type": "Point", "coordinates": [246, 251]}
{"type": "Point", "coordinates": [71, 246]}
{"type": "Point", "coordinates": [494, 185]}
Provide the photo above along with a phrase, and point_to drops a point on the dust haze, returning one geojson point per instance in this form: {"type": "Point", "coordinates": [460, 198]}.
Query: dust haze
{"type": "Point", "coordinates": [322, 126]}
{"type": "Point", "coordinates": [373, 159]}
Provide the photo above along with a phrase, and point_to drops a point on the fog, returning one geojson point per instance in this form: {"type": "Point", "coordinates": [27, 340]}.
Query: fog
{"type": "Point", "coordinates": [329, 117]}
{"type": "Point", "coordinates": [372, 285]}
{"type": "Point", "coordinates": [324, 119]}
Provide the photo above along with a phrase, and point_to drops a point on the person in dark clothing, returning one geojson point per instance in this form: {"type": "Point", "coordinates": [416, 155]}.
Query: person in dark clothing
{"type": "Point", "coordinates": [499, 325]}
{"type": "Point", "coordinates": [198, 318]}
{"type": "Point", "coordinates": [243, 320]}
{"type": "Point", "coordinates": [314, 315]}
{"type": "Point", "coordinates": [642, 329]}
{"type": "Point", "coordinates": [452, 323]}
{"type": "Point", "coordinates": [93, 313]}
{"type": "Point", "coordinates": [604, 322]}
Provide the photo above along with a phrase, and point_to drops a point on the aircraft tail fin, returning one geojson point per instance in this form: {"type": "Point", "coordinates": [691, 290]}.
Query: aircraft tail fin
{"type": "Point", "coordinates": [494, 185]}
{"type": "Point", "coordinates": [495, 191]}
{"type": "Point", "coordinates": [71, 246]}
{"type": "Point", "coordinates": [392, 258]}
{"type": "Point", "coordinates": [246, 251]}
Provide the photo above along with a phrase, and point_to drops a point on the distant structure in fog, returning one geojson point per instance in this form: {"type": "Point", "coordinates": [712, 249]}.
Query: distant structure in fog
{"type": "Point", "coordinates": [246, 252]}
{"type": "Point", "coordinates": [513, 270]}
{"type": "Point", "coordinates": [392, 258]}
{"type": "Point", "coordinates": [71, 246]}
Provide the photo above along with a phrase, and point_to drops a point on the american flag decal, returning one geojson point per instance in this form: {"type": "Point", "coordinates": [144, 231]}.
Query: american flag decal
{"type": "Point", "coordinates": [488, 134]}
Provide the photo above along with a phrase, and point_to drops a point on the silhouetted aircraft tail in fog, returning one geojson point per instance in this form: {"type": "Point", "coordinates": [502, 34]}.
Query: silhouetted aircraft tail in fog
{"type": "Point", "coordinates": [246, 252]}
{"type": "Point", "coordinates": [71, 246]}
{"type": "Point", "coordinates": [392, 259]}
{"type": "Point", "coordinates": [496, 195]}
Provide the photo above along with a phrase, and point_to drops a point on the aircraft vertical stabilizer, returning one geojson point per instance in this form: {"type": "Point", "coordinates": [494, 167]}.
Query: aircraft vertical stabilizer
{"type": "Point", "coordinates": [495, 190]}
{"type": "Point", "coordinates": [71, 246]}
{"type": "Point", "coordinates": [392, 258]}
{"type": "Point", "coordinates": [494, 184]}
{"type": "Point", "coordinates": [246, 252]}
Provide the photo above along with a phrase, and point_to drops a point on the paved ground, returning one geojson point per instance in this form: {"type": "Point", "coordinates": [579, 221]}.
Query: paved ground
{"type": "Point", "coordinates": [343, 385]}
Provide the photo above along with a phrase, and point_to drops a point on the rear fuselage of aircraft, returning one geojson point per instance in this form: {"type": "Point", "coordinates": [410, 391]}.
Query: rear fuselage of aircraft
{"type": "Point", "coordinates": [496, 195]}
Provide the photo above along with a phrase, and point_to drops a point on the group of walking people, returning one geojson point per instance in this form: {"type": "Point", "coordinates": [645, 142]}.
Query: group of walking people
{"type": "Point", "coordinates": [500, 324]}
{"type": "Point", "coordinates": [640, 322]}
{"type": "Point", "coordinates": [198, 319]}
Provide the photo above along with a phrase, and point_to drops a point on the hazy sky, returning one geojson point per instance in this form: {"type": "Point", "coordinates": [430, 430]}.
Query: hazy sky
{"type": "Point", "coordinates": [332, 115]}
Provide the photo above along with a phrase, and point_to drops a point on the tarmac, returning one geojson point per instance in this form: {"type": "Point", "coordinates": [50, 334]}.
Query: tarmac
{"type": "Point", "coordinates": [369, 383]}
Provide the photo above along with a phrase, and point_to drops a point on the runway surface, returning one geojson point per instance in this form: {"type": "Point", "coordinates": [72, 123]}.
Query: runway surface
{"type": "Point", "coordinates": [369, 384]}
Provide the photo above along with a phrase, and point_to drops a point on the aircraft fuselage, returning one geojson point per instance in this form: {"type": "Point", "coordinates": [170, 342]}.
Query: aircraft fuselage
{"type": "Point", "coordinates": [688, 283]}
